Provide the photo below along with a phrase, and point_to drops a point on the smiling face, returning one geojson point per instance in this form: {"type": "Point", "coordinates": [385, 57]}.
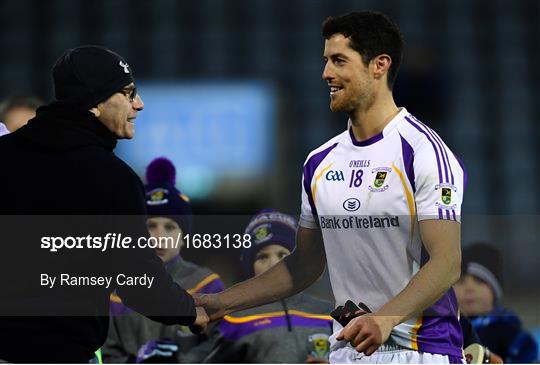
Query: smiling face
{"type": "Point", "coordinates": [349, 79]}
{"type": "Point", "coordinates": [474, 296]}
{"type": "Point", "coordinates": [119, 111]}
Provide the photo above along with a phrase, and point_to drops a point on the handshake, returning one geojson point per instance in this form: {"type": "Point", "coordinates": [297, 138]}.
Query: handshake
{"type": "Point", "coordinates": [201, 321]}
{"type": "Point", "coordinates": [208, 308]}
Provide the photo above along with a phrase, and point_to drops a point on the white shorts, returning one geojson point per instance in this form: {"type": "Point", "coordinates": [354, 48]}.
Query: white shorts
{"type": "Point", "coordinates": [348, 355]}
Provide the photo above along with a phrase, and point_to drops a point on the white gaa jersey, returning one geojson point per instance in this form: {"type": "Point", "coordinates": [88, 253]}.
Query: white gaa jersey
{"type": "Point", "coordinates": [367, 197]}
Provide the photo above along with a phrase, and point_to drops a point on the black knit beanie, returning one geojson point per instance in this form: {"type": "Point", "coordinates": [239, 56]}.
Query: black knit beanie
{"type": "Point", "coordinates": [87, 75]}
{"type": "Point", "coordinates": [485, 262]}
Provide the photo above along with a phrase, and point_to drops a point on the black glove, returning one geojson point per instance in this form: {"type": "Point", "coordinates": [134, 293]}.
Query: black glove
{"type": "Point", "coordinates": [344, 314]}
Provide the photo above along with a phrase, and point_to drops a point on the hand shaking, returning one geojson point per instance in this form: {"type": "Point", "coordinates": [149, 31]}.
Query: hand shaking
{"type": "Point", "coordinates": [201, 321]}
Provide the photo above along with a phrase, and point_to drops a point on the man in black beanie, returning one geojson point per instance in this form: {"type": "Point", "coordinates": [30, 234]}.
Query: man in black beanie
{"type": "Point", "coordinates": [95, 79]}
{"type": "Point", "coordinates": [63, 179]}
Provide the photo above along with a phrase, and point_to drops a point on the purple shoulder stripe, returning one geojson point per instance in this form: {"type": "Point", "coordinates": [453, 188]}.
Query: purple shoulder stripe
{"type": "Point", "coordinates": [408, 160]}
{"type": "Point", "coordinates": [444, 154]}
{"type": "Point", "coordinates": [437, 142]}
{"type": "Point", "coordinates": [309, 170]}
{"type": "Point", "coordinates": [415, 125]}
{"type": "Point", "coordinates": [215, 286]}
{"type": "Point", "coordinates": [440, 143]}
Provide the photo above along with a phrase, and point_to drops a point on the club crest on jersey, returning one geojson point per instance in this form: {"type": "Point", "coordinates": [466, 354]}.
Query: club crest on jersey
{"type": "Point", "coordinates": [380, 177]}
{"type": "Point", "coordinates": [319, 345]}
{"type": "Point", "coordinates": [157, 196]}
{"type": "Point", "coordinates": [446, 196]}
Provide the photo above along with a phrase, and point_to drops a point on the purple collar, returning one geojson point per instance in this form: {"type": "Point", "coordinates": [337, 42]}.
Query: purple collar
{"type": "Point", "coordinates": [366, 142]}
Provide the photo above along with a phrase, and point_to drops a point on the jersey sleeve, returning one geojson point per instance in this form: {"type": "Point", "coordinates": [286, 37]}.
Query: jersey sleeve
{"type": "Point", "coordinates": [440, 180]}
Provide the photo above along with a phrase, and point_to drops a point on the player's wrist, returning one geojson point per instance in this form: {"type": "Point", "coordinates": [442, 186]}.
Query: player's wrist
{"type": "Point", "coordinates": [389, 321]}
{"type": "Point", "coordinates": [226, 303]}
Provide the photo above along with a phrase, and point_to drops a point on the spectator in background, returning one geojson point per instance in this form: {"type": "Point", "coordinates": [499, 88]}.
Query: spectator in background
{"type": "Point", "coordinates": [292, 330]}
{"type": "Point", "coordinates": [479, 293]}
{"type": "Point", "coordinates": [134, 338]}
{"type": "Point", "coordinates": [17, 110]}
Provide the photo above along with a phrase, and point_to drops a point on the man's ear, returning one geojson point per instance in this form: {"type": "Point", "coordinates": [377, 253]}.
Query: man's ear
{"type": "Point", "coordinates": [381, 65]}
{"type": "Point", "coordinates": [95, 111]}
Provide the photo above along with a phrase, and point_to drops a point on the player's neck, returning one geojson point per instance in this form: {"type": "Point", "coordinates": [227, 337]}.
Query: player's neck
{"type": "Point", "coordinates": [371, 121]}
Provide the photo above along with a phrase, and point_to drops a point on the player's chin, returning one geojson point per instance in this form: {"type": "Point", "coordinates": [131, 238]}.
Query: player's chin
{"type": "Point", "coordinates": [336, 106]}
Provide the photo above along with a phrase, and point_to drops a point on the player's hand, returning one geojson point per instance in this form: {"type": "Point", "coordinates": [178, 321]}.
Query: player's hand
{"type": "Point", "coordinates": [200, 322]}
{"type": "Point", "coordinates": [212, 305]}
{"type": "Point", "coordinates": [367, 333]}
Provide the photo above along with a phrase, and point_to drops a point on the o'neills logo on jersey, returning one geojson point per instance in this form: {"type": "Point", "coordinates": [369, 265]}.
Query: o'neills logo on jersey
{"type": "Point", "coordinates": [380, 177]}
{"type": "Point", "coordinates": [446, 196]}
{"type": "Point", "coordinates": [358, 222]}
{"type": "Point", "coordinates": [359, 163]}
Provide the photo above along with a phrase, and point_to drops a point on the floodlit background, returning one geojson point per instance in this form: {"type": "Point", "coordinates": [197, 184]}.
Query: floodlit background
{"type": "Point", "coordinates": [234, 97]}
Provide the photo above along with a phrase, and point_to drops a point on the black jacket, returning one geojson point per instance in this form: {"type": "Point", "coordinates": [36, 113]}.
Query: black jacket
{"type": "Point", "coordinates": [60, 177]}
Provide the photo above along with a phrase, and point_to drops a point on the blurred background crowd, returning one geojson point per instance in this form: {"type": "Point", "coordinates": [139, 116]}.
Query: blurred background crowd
{"type": "Point", "coordinates": [234, 97]}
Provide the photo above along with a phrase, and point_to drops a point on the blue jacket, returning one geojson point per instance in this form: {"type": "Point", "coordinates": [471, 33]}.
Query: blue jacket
{"type": "Point", "coordinates": [501, 331]}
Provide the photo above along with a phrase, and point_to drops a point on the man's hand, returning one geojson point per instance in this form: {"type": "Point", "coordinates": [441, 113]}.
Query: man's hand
{"type": "Point", "coordinates": [211, 303]}
{"type": "Point", "coordinates": [201, 321]}
{"type": "Point", "coordinates": [367, 333]}
{"type": "Point", "coordinates": [287, 277]}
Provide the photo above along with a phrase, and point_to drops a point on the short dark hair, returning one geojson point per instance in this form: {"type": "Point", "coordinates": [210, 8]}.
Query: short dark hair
{"type": "Point", "coordinates": [19, 101]}
{"type": "Point", "coordinates": [371, 34]}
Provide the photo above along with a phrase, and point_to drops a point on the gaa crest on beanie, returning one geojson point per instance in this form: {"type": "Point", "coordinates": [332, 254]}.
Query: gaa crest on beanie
{"type": "Point", "coordinates": [162, 197]}
{"type": "Point", "coordinates": [87, 75]}
{"type": "Point", "coordinates": [268, 227]}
